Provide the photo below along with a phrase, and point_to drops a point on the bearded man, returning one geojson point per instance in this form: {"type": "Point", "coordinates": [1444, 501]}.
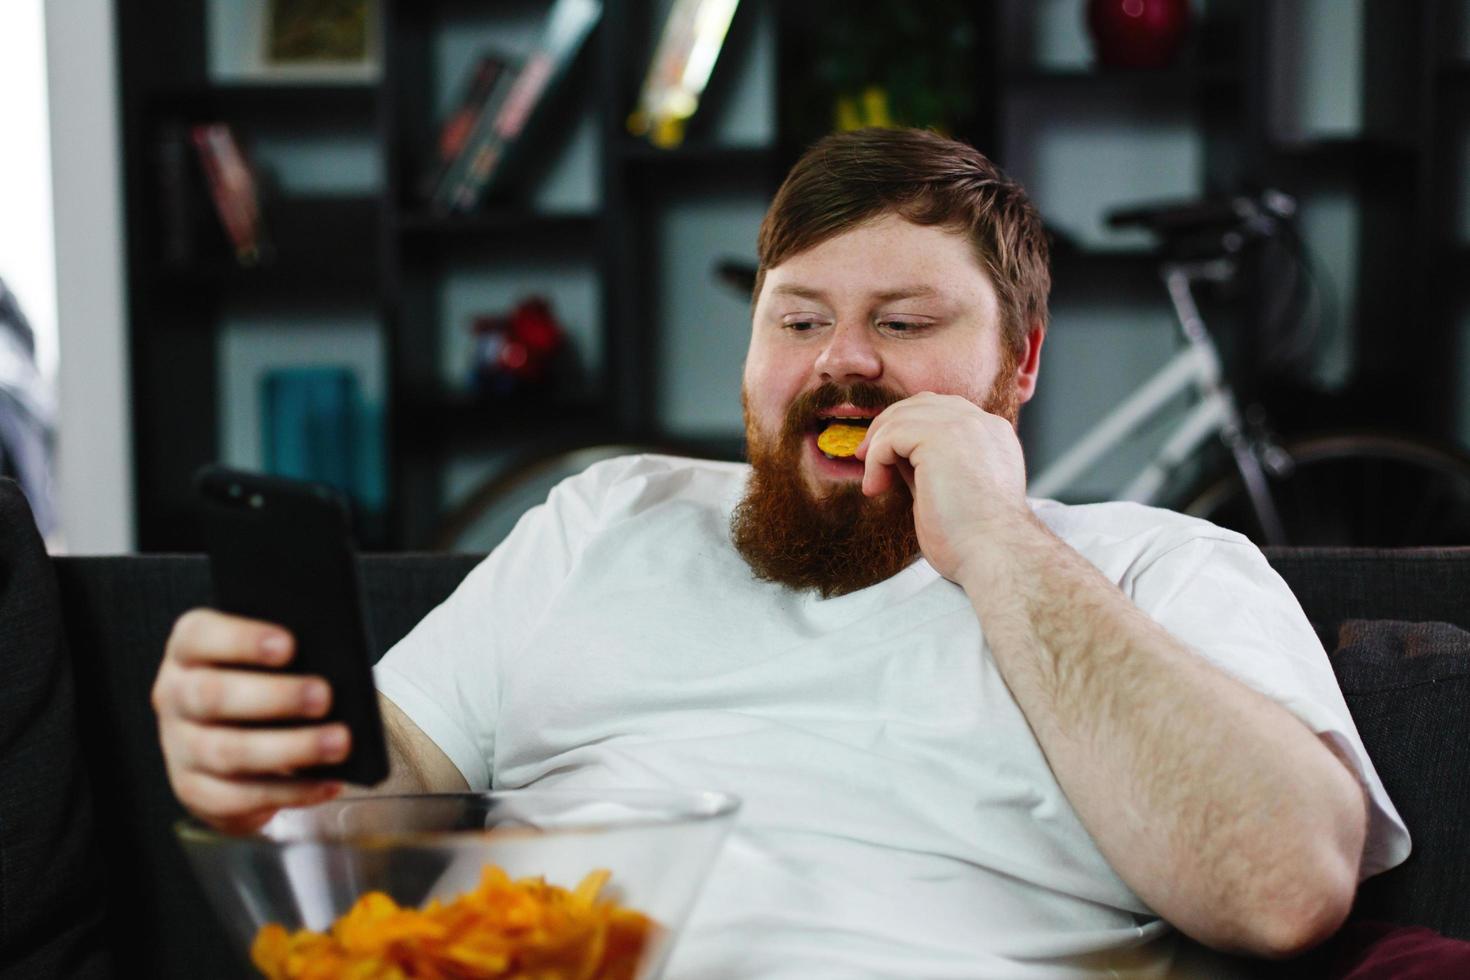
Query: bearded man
{"type": "Point", "coordinates": [975, 735]}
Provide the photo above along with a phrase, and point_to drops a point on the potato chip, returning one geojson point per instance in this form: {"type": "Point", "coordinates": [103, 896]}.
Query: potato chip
{"type": "Point", "coordinates": [502, 929]}
{"type": "Point", "coordinates": [841, 439]}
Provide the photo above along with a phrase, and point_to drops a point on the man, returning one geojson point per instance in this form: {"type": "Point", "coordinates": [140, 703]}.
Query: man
{"type": "Point", "coordinates": [974, 735]}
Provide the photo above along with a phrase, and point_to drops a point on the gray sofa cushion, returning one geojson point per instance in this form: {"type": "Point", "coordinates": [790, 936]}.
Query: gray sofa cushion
{"type": "Point", "coordinates": [51, 890]}
{"type": "Point", "coordinates": [1408, 686]}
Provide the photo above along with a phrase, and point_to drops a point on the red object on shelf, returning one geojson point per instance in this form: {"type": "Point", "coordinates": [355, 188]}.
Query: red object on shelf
{"type": "Point", "coordinates": [517, 352]}
{"type": "Point", "coordinates": [1138, 33]}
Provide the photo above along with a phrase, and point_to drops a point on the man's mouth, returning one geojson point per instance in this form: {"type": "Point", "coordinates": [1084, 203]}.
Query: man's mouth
{"type": "Point", "coordinates": [838, 436]}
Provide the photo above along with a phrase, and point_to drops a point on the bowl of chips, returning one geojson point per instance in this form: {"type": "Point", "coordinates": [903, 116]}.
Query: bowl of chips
{"type": "Point", "coordinates": [551, 884]}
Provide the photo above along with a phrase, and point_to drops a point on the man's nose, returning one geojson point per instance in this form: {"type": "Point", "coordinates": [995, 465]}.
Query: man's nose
{"type": "Point", "coordinates": [849, 354]}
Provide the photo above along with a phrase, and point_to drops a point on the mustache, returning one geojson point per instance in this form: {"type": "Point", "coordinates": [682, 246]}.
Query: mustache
{"type": "Point", "coordinates": [802, 416]}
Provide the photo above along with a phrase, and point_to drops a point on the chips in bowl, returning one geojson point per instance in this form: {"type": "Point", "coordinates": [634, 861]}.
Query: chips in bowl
{"type": "Point", "coordinates": [502, 929]}
{"type": "Point", "coordinates": [465, 885]}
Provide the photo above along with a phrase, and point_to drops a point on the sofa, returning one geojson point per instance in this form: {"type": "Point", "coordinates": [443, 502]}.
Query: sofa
{"type": "Point", "coordinates": [93, 884]}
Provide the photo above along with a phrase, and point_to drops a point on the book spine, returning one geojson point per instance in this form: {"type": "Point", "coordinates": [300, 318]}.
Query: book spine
{"type": "Point", "coordinates": [486, 153]}
{"type": "Point", "coordinates": [232, 187]}
{"type": "Point", "coordinates": [455, 132]}
{"type": "Point", "coordinates": [177, 245]}
{"type": "Point", "coordinates": [446, 196]}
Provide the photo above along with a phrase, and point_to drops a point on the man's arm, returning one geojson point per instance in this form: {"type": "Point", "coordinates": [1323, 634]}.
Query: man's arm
{"type": "Point", "coordinates": [1219, 808]}
{"type": "Point", "coordinates": [1223, 811]}
{"type": "Point", "coordinates": [415, 763]}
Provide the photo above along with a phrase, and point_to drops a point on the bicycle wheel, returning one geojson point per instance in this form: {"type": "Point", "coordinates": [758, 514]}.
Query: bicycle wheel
{"type": "Point", "coordinates": [1356, 490]}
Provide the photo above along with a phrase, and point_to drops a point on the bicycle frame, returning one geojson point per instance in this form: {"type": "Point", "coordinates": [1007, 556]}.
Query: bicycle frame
{"type": "Point", "coordinates": [1215, 412]}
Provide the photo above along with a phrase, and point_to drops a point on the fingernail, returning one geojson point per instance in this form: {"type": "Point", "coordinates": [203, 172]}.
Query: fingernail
{"type": "Point", "coordinates": [314, 698]}
{"type": "Point", "coordinates": [334, 741]}
{"type": "Point", "coordinates": [276, 647]}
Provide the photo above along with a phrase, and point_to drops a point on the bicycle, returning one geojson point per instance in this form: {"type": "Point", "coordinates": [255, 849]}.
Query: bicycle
{"type": "Point", "coordinates": [1351, 488]}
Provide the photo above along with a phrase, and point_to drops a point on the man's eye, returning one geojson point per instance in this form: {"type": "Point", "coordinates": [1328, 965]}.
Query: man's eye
{"type": "Point", "coordinates": [901, 326]}
{"type": "Point", "coordinates": [801, 326]}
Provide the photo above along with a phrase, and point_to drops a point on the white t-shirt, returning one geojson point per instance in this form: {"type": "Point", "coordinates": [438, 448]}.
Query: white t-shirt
{"type": "Point", "coordinates": [899, 818]}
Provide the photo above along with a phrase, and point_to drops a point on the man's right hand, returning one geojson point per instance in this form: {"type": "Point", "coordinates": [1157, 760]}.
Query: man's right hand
{"type": "Point", "coordinates": [227, 773]}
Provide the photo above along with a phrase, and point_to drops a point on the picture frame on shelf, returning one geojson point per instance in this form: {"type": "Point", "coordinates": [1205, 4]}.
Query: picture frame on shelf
{"type": "Point", "coordinates": [329, 42]}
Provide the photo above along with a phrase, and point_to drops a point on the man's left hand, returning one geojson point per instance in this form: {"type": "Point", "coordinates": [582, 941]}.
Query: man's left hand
{"type": "Point", "coordinates": [963, 465]}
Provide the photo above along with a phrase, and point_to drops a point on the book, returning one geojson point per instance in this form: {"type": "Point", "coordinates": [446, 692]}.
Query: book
{"type": "Point", "coordinates": [503, 122]}
{"type": "Point", "coordinates": [478, 134]}
{"type": "Point", "coordinates": [183, 198]}
{"type": "Point", "coordinates": [455, 131]}
{"type": "Point", "coordinates": [232, 187]}
{"type": "Point", "coordinates": [687, 50]}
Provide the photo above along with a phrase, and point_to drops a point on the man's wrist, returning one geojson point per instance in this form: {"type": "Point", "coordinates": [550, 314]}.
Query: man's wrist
{"type": "Point", "coordinates": [999, 550]}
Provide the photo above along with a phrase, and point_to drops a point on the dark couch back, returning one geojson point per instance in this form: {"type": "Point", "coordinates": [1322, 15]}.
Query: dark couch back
{"type": "Point", "coordinates": [118, 612]}
{"type": "Point", "coordinates": [1338, 584]}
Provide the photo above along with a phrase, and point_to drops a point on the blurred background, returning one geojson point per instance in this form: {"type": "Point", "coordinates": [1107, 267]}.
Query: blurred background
{"type": "Point", "coordinates": [406, 245]}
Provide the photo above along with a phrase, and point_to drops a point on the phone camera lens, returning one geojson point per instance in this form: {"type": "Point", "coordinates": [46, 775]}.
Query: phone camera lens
{"type": "Point", "coordinates": [257, 501]}
{"type": "Point", "coordinates": [235, 490]}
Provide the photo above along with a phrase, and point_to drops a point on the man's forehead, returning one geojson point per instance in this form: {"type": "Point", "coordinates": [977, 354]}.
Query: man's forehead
{"type": "Point", "coordinates": [884, 259]}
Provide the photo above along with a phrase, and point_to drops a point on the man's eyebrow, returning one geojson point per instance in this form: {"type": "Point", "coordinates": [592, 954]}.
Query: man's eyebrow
{"type": "Point", "coordinates": [800, 292]}
{"type": "Point", "coordinates": [907, 292]}
{"type": "Point", "coordinates": [886, 296]}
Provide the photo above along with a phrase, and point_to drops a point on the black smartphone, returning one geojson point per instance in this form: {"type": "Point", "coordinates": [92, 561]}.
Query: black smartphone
{"type": "Point", "coordinates": [281, 551]}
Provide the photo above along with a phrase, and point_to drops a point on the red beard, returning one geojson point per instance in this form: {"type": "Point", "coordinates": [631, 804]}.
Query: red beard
{"type": "Point", "coordinates": [840, 541]}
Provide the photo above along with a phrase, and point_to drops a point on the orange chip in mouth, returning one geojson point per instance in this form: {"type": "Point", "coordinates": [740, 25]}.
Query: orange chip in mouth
{"type": "Point", "coordinates": [841, 439]}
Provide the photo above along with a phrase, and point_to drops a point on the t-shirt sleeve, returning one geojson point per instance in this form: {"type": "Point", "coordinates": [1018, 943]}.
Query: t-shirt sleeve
{"type": "Point", "coordinates": [444, 675]}
{"type": "Point", "coordinates": [1219, 595]}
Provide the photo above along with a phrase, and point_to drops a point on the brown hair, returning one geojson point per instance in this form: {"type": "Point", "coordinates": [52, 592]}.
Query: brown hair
{"type": "Point", "coordinates": [848, 178]}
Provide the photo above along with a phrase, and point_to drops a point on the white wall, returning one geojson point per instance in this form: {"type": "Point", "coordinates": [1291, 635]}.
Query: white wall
{"type": "Point", "coordinates": [27, 258]}
{"type": "Point", "coordinates": [95, 447]}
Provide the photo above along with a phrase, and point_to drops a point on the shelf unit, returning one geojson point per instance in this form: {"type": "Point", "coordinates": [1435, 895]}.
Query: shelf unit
{"type": "Point", "coordinates": [386, 253]}
{"type": "Point", "coordinates": [380, 251]}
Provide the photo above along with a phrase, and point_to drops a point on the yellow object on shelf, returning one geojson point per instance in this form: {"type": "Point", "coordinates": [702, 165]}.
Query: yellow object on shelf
{"type": "Point", "coordinates": [868, 109]}
{"type": "Point", "coordinates": [681, 66]}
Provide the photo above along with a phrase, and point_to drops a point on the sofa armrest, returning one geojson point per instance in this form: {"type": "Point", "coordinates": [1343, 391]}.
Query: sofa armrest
{"type": "Point", "coordinates": [52, 898]}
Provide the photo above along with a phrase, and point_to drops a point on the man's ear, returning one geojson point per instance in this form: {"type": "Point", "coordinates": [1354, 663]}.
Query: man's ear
{"type": "Point", "coordinates": [1029, 364]}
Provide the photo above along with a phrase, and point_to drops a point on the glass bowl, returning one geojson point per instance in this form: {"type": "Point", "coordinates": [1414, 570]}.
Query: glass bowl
{"type": "Point", "coordinates": [310, 866]}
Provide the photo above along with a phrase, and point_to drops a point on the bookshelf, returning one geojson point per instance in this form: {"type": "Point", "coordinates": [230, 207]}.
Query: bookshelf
{"type": "Point", "coordinates": [605, 230]}
{"type": "Point", "coordinates": [379, 255]}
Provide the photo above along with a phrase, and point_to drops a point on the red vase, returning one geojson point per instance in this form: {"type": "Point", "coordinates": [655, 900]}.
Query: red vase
{"type": "Point", "coordinates": [1137, 33]}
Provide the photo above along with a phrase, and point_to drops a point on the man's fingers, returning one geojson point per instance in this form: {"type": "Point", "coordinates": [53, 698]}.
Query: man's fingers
{"type": "Point", "coordinates": [220, 750]}
{"type": "Point", "coordinates": [244, 805]}
{"type": "Point", "coordinates": [905, 469]}
{"type": "Point", "coordinates": [894, 436]}
{"type": "Point", "coordinates": [209, 636]}
{"type": "Point", "coordinates": [206, 694]}
{"type": "Point", "coordinates": [880, 460]}
{"type": "Point", "coordinates": [227, 775]}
